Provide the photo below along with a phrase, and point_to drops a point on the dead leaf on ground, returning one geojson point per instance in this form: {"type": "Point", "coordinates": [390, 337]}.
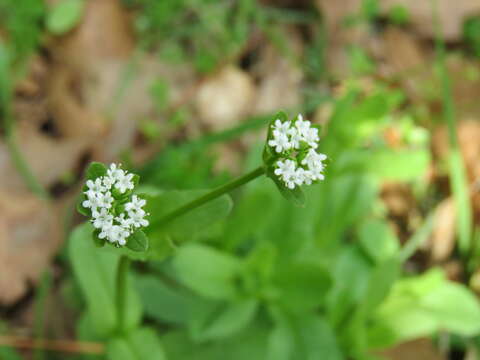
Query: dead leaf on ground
{"type": "Point", "coordinates": [405, 58]}
{"type": "Point", "coordinates": [398, 198]}
{"type": "Point", "coordinates": [30, 233]}
{"type": "Point", "coordinates": [49, 159]}
{"type": "Point", "coordinates": [442, 240]}
{"type": "Point", "coordinates": [105, 32]}
{"type": "Point", "coordinates": [416, 349]}
{"type": "Point", "coordinates": [451, 15]}
{"type": "Point", "coordinates": [279, 78]}
{"type": "Point", "coordinates": [225, 98]}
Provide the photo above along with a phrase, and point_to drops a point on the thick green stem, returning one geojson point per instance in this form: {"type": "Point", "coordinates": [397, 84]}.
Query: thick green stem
{"type": "Point", "coordinates": [121, 288]}
{"type": "Point", "coordinates": [210, 196]}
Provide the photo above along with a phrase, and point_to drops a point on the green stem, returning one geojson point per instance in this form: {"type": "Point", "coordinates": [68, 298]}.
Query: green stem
{"type": "Point", "coordinates": [121, 296]}
{"type": "Point", "coordinates": [210, 196]}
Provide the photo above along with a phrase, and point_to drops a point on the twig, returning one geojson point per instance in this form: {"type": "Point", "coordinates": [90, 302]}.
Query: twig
{"type": "Point", "coordinates": [52, 345]}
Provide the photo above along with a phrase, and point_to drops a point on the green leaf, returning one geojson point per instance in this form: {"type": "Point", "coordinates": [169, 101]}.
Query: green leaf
{"type": "Point", "coordinates": [381, 281]}
{"type": "Point", "coordinates": [140, 344]}
{"type": "Point", "coordinates": [378, 240]}
{"type": "Point", "coordinates": [280, 344]}
{"type": "Point", "coordinates": [95, 170]}
{"type": "Point", "coordinates": [233, 318]}
{"type": "Point", "coordinates": [165, 238]}
{"type": "Point", "coordinates": [137, 241]}
{"type": "Point", "coordinates": [80, 208]}
{"type": "Point", "coordinates": [423, 305]}
{"type": "Point", "coordinates": [209, 272]}
{"type": "Point", "coordinates": [281, 341]}
{"type": "Point", "coordinates": [399, 165]}
{"type": "Point", "coordinates": [64, 16]}
{"type": "Point", "coordinates": [295, 196]}
{"type": "Point", "coordinates": [163, 302]}
{"type": "Point", "coordinates": [192, 222]}
{"type": "Point", "coordinates": [96, 240]}
{"type": "Point", "coordinates": [95, 271]}
{"type": "Point", "coordinates": [302, 286]}
{"type": "Point", "coordinates": [316, 339]}
{"type": "Point", "coordinates": [7, 353]}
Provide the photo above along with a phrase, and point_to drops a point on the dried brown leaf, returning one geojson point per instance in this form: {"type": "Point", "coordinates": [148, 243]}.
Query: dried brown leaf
{"type": "Point", "coordinates": [415, 349]}
{"type": "Point", "coordinates": [442, 240]}
{"type": "Point", "coordinates": [225, 98]}
{"type": "Point", "coordinates": [30, 232]}
{"type": "Point", "coordinates": [49, 159]}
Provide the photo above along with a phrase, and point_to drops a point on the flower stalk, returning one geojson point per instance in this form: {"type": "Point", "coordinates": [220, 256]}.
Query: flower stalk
{"type": "Point", "coordinates": [242, 180]}
{"type": "Point", "coordinates": [121, 292]}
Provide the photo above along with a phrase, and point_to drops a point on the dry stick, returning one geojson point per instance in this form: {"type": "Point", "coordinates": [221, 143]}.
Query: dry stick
{"type": "Point", "coordinates": [52, 345]}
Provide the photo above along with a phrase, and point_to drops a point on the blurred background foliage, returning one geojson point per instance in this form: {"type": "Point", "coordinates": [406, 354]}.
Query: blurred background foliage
{"type": "Point", "coordinates": [382, 262]}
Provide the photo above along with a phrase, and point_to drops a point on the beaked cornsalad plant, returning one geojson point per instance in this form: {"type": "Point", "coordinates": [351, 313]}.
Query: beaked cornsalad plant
{"type": "Point", "coordinates": [290, 159]}
{"type": "Point", "coordinates": [117, 214]}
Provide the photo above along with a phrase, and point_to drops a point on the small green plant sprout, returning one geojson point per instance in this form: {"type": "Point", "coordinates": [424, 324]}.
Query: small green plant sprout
{"type": "Point", "coordinates": [115, 212]}
{"type": "Point", "coordinates": [290, 155]}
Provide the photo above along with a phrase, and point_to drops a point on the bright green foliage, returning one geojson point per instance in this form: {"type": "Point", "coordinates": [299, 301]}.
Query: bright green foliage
{"type": "Point", "coordinates": [203, 32]}
{"type": "Point", "coordinates": [424, 305]}
{"type": "Point", "coordinates": [207, 271]}
{"type": "Point", "coordinates": [95, 270]}
{"type": "Point", "coordinates": [22, 21]}
{"type": "Point", "coordinates": [140, 344]}
{"type": "Point", "coordinates": [471, 33]}
{"type": "Point", "coordinates": [64, 16]}
{"type": "Point", "coordinates": [7, 353]}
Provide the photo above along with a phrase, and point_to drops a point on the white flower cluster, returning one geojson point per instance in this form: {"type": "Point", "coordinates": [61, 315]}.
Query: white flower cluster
{"type": "Point", "coordinates": [115, 228]}
{"type": "Point", "coordinates": [296, 142]}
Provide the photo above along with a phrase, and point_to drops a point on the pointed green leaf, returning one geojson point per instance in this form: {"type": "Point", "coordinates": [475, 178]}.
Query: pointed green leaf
{"type": "Point", "coordinates": [95, 170]}
{"type": "Point", "coordinates": [137, 241]}
{"type": "Point", "coordinates": [96, 240]}
{"type": "Point", "coordinates": [80, 208]}
{"type": "Point", "coordinates": [230, 320]}
{"type": "Point", "coordinates": [140, 344]}
{"type": "Point", "coordinates": [64, 16]}
{"type": "Point", "coordinates": [207, 271]}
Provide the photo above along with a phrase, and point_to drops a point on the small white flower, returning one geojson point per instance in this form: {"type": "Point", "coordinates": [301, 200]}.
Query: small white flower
{"type": "Point", "coordinates": [286, 171]}
{"type": "Point", "coordinates": [280, 142]}
{"type": "Point", "coordinates": [124, 183]}
{"type": "Point", "coordinates": [281, 127]}
{"type": "Point", "coordinates": [295, 138]}
{"type": "Point", "coordinates": [137, 218]}
{"type": "Point", "coordinates": [115, 173]}
{"type": "Point", "coordinates": [104, 232]}
{"type": "Point", "coordinates": [123, 221]}
{"type": "Point", "coordinates": [100, 200]}
{"type": "Point", "coordinates": [303, 126]}
{"type": "Point", "coordinates": [95, 186]}
{"type": "Point", "coordinates": [102, 219]}
{"type": "Point", "coordinates": [108, 182]}
{"type": "Point", "coordinates": [93, 200]}
{"type": "Point", "coordinates": [298, 137]}
{"type": "Point", "coordinates": [311, 137]}
{"type": "Point", "coordinates": [313, 160]}
{"type": "Point", "coordinates": [135, 204]}
{"type": "Point", "coordinates": [299, 176]}
{"type": "Point", "coordinates": [105, 200]}
{"type": "Point", "coordinates": [117, 234]}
